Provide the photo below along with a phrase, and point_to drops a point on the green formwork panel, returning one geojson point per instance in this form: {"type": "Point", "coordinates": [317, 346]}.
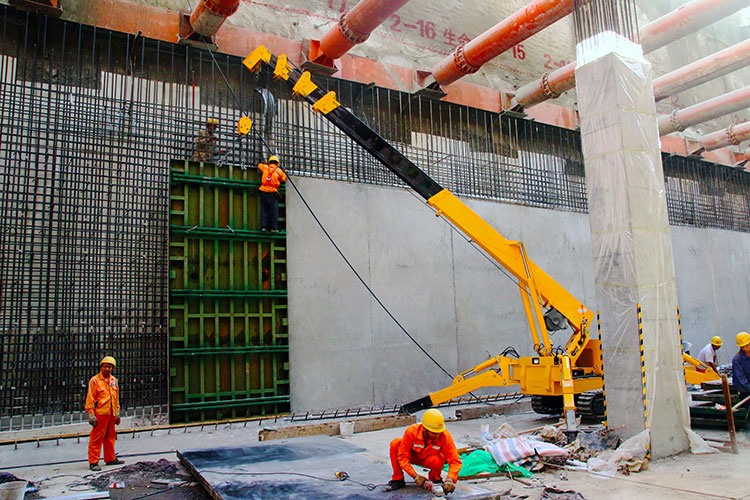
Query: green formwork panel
{"type": "Point", "coordinates": [229, 337]}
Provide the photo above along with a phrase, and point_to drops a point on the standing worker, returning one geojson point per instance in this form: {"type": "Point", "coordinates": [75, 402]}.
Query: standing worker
{"type": "Point", "coordinates": [708, 354]}
{"type": "Point", "coordinates": [205, 141]}
{"type": "Point", "coordinates": [272, 176]}
{"type": "Point", "coordinates": [103, 407]}
{"type": "Point", "coordinates": [429, 445]}
{"type": "Point", "coordinates": [741, 367]}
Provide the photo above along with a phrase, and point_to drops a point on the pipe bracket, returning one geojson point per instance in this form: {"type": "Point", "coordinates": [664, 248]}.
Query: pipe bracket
{"type": "Point", "coordinates": [679, 127]}
{"type": "Point", "coordinates": [221, 10]}
{"type": "Point", "coordinates": [732, 136]}
{"type": "Point", "coordinates": [551, 94]}
{"type": "Point", "coordinates": [459, 59]}
{"type": "Point", "coordinates": [350, 33]}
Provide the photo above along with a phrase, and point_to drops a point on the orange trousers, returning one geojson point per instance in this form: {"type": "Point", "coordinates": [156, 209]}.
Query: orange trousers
{"type": "Point", "coordinates": [104, 433]}
{"type": "Point", "coordinates": [434, 462]}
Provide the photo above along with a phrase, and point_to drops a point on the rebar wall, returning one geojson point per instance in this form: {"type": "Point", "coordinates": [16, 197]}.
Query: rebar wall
{"type": "Point", "coordinates": [90, 120]}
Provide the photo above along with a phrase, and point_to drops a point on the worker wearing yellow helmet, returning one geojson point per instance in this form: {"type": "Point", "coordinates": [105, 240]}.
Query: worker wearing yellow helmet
{"type": "Point", "coordinates": [427, 444]}
{"type": "Point", "coordinates": [741, 367]}
{"type": "Point", "coordinates": [272, 175]}
{"type": "Point", "coordinates": [103, 407]}
{"type": "Point", "coordinates": [708, 355]}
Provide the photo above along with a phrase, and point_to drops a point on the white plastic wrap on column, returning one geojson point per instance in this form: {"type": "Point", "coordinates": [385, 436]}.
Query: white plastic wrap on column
{"type": "Point", "coordinates": [631, 243]}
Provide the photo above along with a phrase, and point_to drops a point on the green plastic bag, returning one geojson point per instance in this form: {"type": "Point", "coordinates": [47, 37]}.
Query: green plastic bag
{"type": "Point", "coordinates": [480, 461]}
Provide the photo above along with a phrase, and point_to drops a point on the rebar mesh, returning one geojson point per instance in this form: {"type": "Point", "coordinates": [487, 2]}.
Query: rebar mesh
{"type": "Point", "coordinates": [90, 119]}
{"type": "Point", "coordinates": [592, 17]}
{"type": "Point", "coordinates": [702, 195]}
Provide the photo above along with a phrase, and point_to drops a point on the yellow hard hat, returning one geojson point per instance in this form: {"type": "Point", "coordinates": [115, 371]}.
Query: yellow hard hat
{"type": "Point", "coordinates": [212, 121]}
{"type": "Point", "coordinates": [273, 158]}
{"type": "Point", "coordinates": [743, 338]}
{"type": "Point", "coordinates": [433, 421]}
{"type": "Point", "coordinates": [716, 341]}
{"type": "Point", "coordinates": [110, 360]}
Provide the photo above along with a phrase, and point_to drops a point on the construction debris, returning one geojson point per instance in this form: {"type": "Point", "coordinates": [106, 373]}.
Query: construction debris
{"type": "Point", "coordinates": [554, 494]}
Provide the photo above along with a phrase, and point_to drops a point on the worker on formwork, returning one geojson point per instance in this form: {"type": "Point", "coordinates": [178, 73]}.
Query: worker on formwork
{"type": "Point", "coordinates": [708, 354]}
{"type": "Point", "coordinates": [103, 407]}
{"type": "Point", "coordinates": [741, 367]}
{"type": "Point", "coordinates": [429, 445]}
{"type": "Point", "coordinates": [272, 176]}
{"type": "Point", "coordinates": [205, 141]}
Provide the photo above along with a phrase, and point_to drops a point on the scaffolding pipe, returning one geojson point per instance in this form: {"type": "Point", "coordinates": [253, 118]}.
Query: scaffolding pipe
{"type": "Point", "coordinates": [469, 57]}
{"type": "Point", "coordinates": [730, 136]}
{"type": "Point", "coordinates": [726, 104]}
{"type": "Point", "coordinates": [208, 15]}
{"type": "Point", "coordinates": [355, 26]}
{"type": "Point", "coordinates": [709, 68]}
{"type": "Point", "coordinates": [673, 26]}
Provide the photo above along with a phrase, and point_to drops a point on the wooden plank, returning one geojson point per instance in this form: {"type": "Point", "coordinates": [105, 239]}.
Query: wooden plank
{"type": "Point", "coordinates": [501, 409]}
{"type": "Point", "coordinates": [83, 496]}
{"type": "Point", "coordinates": [332, 428]}
{"type": "Point", "coordinates": [150, 428]}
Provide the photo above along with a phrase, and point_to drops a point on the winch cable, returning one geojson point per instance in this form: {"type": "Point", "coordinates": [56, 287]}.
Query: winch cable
{"type": "Point", "coordinates": [330, 238]}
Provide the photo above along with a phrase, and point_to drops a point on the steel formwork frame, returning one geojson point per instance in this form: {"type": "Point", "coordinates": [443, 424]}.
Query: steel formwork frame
{"type": "Point", "coordinates": [90, 120]}
{"type": "Point", "coordinates": [228, 323]}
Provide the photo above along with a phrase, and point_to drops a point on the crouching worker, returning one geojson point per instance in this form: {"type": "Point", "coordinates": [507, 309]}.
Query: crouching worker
{"type": "Point", "coordinates": [428, 445]}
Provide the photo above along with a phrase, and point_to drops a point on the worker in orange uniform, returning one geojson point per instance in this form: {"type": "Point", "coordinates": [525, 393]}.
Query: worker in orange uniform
{"type": "Point", "coordinates": [273, 175]}
{"type": "Point", "coordinates": [429, 445]}
{"type": "Point", "coordinates": [103, 407]}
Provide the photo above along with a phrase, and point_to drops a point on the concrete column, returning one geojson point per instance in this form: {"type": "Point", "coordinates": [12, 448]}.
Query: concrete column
{"type": "Point", "coordinates": [633, 259]}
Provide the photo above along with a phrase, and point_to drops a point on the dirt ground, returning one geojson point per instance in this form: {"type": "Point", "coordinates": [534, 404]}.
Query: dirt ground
{"type": "Point", "coordinates": [61, 468]}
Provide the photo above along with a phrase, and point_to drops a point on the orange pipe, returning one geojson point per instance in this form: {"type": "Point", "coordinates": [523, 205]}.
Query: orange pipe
{"type": "Point", "coordinates": [686, 20]}
{"type": "Point", "coordinates": [518, 27]}
{"type": "Point", "coordinates": [208, 15]}
{"type": "Point", "coordinates": [725, 61]}
{"type": "Point", "coordinates": [662, 31]}
{"type": "Point", "coordinates": [704, 111]}
{"type": "Point", "coordinates": [355, 26]}
{"type": "Point", "coordinates": [731, 136]}
{"type": "Point", "coordinates": [549, 86]}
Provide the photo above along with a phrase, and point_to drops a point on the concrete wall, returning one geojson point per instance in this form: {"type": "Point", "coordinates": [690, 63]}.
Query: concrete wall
{"type": "Point", "coordinates": [345, 350]}
{"type": "Point", "coordinates": [713, 286]}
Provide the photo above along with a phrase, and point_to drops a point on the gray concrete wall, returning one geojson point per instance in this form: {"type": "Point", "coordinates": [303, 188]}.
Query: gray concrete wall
{"type": "Point", "coordinates": [345, 351]}
{"type": "Point", "coordinates": [713, 286]}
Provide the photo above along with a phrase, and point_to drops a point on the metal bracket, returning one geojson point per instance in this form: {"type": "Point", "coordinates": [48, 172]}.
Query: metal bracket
{"type": "Point", "coordinates": [49, 7]}
{"type": "Point", "coordinates": [186, 35]}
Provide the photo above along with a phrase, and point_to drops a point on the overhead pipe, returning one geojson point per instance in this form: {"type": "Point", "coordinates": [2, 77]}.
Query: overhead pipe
{"type": "Point", "coordinates": [469, 57]}
{"type": "Point", "coordinates": [668, 28]}
{"type": "Point", "coordinates": [709, 68]}
{"type": "Point", "coordinates": [731, 136]}
{"type": "Point", "coordinates": [686, 20]}
{"type": "Point", "coordinates": [356, 24]}
{"type": "Point", "coordinates": [208, 15]}
{"type": "Point", "coordinates": [702, 112]}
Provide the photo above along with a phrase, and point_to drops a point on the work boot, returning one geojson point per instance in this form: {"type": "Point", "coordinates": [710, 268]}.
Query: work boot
{"type": "Point", "coordinates": [116, 461]}
{"type": "Point", "coordinates": [94, 467]}
{"type": "Point", "coordinates": [395, 484]}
